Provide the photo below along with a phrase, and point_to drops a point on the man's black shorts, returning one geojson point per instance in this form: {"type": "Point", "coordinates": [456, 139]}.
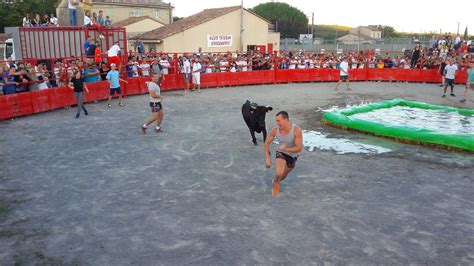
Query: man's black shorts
{"type": "Point", "coordinates": [344, 77]}
{"type": "Point", "coordinates": [156, 107]}
{"type": "Point", "coordinates": [290, 160]}
{"type": "Point", "coordinates": [449, 82]}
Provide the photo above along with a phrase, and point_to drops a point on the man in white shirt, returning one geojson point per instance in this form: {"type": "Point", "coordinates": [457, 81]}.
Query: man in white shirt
{"type": "Point", "coordinates": [197, 75]}
{"type": "Point", "coordinates": [242, 63]}
{"type": "Point", "coordinates": [450, 74]}
{"type": "Point", "coordinates": [145, 68]}
{"type": "Point", "coordinates": [165, 65]}
{"type": "Point", "coordinates": [186, 71]}
{"type": "Point", "coordinates": [344, 74]}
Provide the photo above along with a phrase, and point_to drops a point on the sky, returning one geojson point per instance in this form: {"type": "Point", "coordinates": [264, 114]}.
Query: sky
{"type": "Point", "coordinates": [403, 15]}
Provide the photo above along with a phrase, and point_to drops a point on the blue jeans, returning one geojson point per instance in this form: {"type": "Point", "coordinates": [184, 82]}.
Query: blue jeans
{"type": "Point", "coordinates": [72, 17]}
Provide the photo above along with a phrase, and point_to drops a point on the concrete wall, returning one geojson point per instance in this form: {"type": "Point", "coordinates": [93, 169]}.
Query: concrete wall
{"type": "Point", "coordinates": [256, 33]}
{"type": "Point", "coordinates": [142, 27]}
{"type": "Point", "coordinates": [118, 13]}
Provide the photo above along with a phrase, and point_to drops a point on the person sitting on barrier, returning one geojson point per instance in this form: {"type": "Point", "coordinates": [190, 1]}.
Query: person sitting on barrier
{"type": "Point", "coordinates": [78, 84]}
{"type": "Point", "coordinates": [87, 19]}
{"type": "Point", "coordinates": [469, 81]}
{"type": "Point", "coordinates": [114, 79]}
{"type": "Point", "coordinates": [113, 56]}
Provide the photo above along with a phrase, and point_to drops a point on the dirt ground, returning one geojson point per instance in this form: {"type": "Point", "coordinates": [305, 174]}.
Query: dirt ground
{"type": "Point", "coordinates": [95, 191]}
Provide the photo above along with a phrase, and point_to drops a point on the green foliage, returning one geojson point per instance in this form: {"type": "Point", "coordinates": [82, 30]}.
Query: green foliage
{"type": "Point", "coordinates": [177, 18]}
{"type": "Point", "coordinates": [387, 31]}
{"type": "Point", "coordinates": [12, 12]}
{"type": "Point", "coordinates": [330, 32]}
{"type": "Point", "coordinates": [289, 21]}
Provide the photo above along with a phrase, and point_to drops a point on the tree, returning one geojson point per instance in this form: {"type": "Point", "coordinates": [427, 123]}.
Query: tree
{"type": "Point", "coordinates": [177, 18]}
{"type": "Point", "coordinates": [465, 34]}
{"type": "Point", "coordinates": [288, 20]}
{"type": "Point", "coordinates": [12, 12]}
{"type": "Point", "coordinates": [387, 31]}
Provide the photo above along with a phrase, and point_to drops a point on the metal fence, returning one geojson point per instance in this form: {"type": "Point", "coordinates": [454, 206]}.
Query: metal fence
{"type": "Point", "coordinates": [393, 45]}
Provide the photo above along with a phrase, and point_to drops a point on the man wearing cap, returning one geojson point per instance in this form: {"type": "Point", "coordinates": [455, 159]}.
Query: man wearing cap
{"type": "Point", "coordinates": [114, 79]}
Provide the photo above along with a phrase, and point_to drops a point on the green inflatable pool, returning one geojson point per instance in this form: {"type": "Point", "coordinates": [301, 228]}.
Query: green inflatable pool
{"type": "Point", "coordinates": [410, 121]}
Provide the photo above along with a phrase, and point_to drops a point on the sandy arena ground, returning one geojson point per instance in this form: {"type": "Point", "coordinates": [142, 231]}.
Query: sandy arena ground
{"type": "Point", "coordinates": [95, 191]}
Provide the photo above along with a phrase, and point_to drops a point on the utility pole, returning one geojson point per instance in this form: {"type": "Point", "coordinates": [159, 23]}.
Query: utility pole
{"type": "Point", "coordinates": [458, 27]}
{"type": "Point", "coordinates": [241, 25]}
{"type": "Point", "coordinates": [312, 29]}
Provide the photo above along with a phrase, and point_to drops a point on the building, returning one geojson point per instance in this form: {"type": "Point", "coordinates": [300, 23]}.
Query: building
{"type": "Point", "coordinates": [363, 35]}
{"type": "Point", "coordinates": [119, 10]}
{"type": "Point", "coordinates": [214, 30]}
{"type": "Point", "coordinates": [137, 25]}
{"type": "Point", "coordinates": [3, 38]}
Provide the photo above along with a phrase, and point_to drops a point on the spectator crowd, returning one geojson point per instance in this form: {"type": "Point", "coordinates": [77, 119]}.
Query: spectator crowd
{"type": "Point", "coordinates": [22, 77]}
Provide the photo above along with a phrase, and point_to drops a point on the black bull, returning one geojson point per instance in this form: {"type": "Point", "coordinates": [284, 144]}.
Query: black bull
{"type": "Point", "coordinates": [254, 116]}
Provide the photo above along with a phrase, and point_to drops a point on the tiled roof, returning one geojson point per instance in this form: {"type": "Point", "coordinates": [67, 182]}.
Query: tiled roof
{"type": "Point", "coordinates": [186, 23]}
{"type": "Point", "coordinates": [4, 37]}
{"type": "Point", "coordinates": [131, 20]}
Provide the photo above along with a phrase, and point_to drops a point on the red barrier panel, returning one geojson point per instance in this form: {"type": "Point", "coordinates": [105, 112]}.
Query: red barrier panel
{"type": "Point", "coordinates": [224, 79]}
{"type": "Point", "coordinates": [282, 76]}
{"type": "Point", "coordinates": [299, 75]}
{"type": "Point", "coordinates": [252, 77]}
{"type": "Point", "coordinates": [269, 76]}
{"type": "Point", "coordinates": [144, 85]}
{"type": "Point", "coordinates": [461, 78]}
{"type": "Point", "coordinates": [133, 87]}
{"type": "Point", "coordinates": [7, 104]}
{"type": "Point", "coordinates": [170, 82]}
{"type": "Point", "coordinates": [329, 74]}
{"type": "Point", "coordinates": [23, 105]}
{"type": "Point", "coordinates": [61, 97]}
{"type": "Point", "coordinates": [209, 80]}
{"type": "Point", "coordinates": [97, 91]}
{"type": "Point", "coordinates": [40, 100]}
{"type": "Point", "coordinates": [234, 78]}
{"type": "Point", "coordinates": [358, 74]}
{"type": "Point", "coordinates": [430, 76]}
